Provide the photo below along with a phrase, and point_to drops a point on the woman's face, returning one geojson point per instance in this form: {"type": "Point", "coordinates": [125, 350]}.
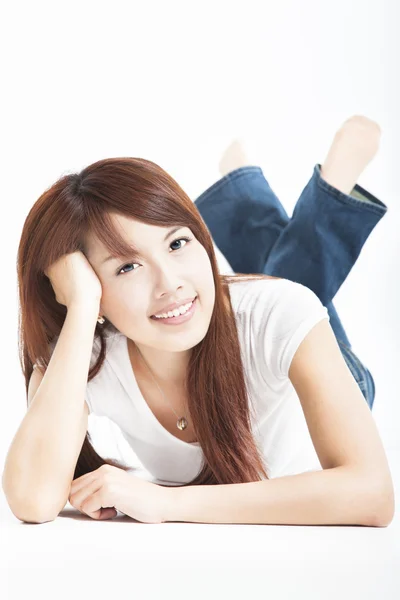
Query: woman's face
{"type": "Point", "coordinates": [171, 269]}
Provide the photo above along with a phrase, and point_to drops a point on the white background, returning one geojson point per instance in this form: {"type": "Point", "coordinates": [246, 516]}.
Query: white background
{"type": "Point", "coordinates": [175, 82]}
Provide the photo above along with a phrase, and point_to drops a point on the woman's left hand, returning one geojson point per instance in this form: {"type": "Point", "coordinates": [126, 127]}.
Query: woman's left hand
{"type": "Point", "coordinates": [102, 492]}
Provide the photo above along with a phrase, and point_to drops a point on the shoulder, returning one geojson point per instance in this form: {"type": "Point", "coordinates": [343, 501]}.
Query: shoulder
{"type": "Point", "coordinates": [264, 299]}
{"type": "Point", "coordinates": [245, 293]}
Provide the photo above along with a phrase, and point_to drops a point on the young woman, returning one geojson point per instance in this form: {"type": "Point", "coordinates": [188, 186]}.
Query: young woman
{"type": "Point", "coordinates": [251, 383]}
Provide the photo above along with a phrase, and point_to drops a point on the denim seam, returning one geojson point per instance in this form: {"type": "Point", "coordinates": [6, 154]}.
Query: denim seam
{"type": "Point", "coordinates": [232, 175]}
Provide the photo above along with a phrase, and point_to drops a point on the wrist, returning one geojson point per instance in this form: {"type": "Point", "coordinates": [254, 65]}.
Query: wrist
{"type": "Point", "coordinates": [172, 499]}
{"type": "Point", "coordinates": [86, 307]}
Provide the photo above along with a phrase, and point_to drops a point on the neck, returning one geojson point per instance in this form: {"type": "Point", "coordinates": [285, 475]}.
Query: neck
{"type": "Point", "coordinates": [168, 368]}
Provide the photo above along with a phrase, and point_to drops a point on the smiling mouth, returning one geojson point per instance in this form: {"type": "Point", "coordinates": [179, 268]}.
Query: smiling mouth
{"type": "Point", "coordinates": [158, 318]}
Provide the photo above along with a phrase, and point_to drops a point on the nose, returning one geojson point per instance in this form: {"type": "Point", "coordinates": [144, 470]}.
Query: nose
{"type": "Point", "coordinates": [168, 284]}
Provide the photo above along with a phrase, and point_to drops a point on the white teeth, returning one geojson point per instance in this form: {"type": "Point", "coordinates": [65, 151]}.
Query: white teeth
{"type": "Point", "coordinates": [175, 313]}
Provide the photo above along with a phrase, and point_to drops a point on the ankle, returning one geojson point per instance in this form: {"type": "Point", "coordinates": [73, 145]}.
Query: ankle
{"type": "Point", "coordinates": [339, 178]}
{"type": "Point", "coordinates": [354, 146]}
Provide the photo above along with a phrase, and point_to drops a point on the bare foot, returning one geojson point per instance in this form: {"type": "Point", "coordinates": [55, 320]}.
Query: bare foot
{"type": "Point", "coordinates": [241, 152]}
{"type": "Point", "coordinates": [354, 146]}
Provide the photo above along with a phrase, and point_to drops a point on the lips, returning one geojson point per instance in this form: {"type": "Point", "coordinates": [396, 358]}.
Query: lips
{"type": "Point", "coordinates": [172, 309]}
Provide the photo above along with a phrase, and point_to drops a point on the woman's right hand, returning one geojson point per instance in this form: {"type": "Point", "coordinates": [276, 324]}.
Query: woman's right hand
{"type": "Point", "coordinates": [74, 280]}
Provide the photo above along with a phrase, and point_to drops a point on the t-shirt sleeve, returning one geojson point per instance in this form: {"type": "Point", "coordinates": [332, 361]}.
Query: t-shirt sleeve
{"type": "Point", "coordinates": [291, 315]}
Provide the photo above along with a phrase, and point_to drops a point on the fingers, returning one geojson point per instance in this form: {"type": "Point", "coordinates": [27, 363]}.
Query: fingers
{"type": "Point", "coordinates": [80, 496]}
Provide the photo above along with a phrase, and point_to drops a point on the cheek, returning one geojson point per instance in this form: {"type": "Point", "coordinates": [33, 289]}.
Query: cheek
{"type": "Point", "coordinates": [205, 270]}
{"type": "Point", "coordinates": [203, 281]}
{"type": "Point", "coordinates": [109, 298]}
{"type": "Point", "coordinates": [200, 265]}
{"type": "Point", "coordinates": [122, 304]}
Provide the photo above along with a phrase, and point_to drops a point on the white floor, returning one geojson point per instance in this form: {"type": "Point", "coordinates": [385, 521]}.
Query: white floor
{"type": "Point", "coordinates": [77, 557]}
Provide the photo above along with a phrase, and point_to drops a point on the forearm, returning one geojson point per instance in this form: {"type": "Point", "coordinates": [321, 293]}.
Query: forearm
{"type": "Point", "coordinates": [328, 497]}
{"type": "Point", "coordinates": [41, 459]}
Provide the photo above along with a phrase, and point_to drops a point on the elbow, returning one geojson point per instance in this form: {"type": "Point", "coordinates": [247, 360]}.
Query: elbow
{"type": "Point", "coordinates": [43, 513]}
{"type": "Point", "coordinates": [30, 515]}
{"type": "Point", "coordinates": [382, 518]}
{"type": "Point", "coordinates": [36, 518]}
{"type": "Point", "coordinates": [385, 515]}
{"type": "Point", "coordinates": [374, 494]}
{"type": "Point", "coordinates": [31, 512]}
{"type": "Point", "coordinates": [32, 507]}
{"type": "Point", "coordinates": [383, 508]}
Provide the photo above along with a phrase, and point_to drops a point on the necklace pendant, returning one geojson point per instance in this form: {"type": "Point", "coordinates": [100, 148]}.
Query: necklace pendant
{"type": "Point", "coordinates": [182, 423]}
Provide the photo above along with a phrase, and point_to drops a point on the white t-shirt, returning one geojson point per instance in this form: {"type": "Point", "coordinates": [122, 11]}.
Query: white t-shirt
{"type": "Point", "coordinates": [273, 316]}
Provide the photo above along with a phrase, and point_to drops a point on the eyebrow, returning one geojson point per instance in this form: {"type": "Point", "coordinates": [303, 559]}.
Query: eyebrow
{"type": "Point", "coordinates": [136, 254]}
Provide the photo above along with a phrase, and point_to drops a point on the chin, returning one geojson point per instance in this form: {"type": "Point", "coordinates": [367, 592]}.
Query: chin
{"type": "Point", "coordinates": [182, 341]}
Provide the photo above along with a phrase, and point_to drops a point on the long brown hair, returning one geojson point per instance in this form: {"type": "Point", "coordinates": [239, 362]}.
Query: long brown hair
{"type": "Point", "coordinates": [57, 224]}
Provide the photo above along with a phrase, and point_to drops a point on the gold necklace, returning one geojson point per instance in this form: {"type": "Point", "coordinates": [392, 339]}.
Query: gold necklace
{"type": "Point", "coordinates": [182, 422]}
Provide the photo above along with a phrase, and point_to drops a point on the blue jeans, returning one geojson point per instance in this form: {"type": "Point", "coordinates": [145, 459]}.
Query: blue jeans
{"type": "Point", "coordinates": [316, 247]}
